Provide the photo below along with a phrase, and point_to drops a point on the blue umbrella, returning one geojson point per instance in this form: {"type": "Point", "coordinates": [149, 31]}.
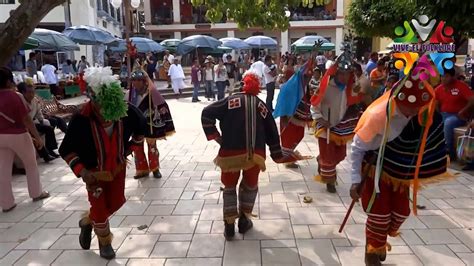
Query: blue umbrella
{"type": "Point", "coordinates": [50, 40]}
{"type": "Point", "coordinates": [235, 43]}
{"type": "Point", "coordinates": [261, 42]}
{"type": "Point", "coordinates": [88, 35]}
{"type": "Point", "coordinates": [143, 45]}
{"type": "Point", "coordinates": [191, 43]}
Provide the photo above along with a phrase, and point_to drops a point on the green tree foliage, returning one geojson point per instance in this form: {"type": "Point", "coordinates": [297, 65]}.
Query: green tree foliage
{"type": "Point", "coordinates": [457, 13]}
{"type": "Point", "coordinates": [370, 18]}
{"type": "Point", "coordinates": [268, 14]}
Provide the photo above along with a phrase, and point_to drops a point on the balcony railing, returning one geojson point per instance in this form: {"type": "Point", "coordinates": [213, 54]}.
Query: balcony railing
{"type": "Point", "coordinates": [315, 13]}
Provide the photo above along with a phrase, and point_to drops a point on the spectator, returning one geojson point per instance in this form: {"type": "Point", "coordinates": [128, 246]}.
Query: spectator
{"type": "Point", "coordinates": [176, 75]}
{"type": "Point", "coordinates": [49, 72]}
{"type": "Point", "coordinates": [244, 66]}
{"type": "Point", "coordinates": [66, 67]}
{"type": "Point", "coordinates": [196, 80]}
{"type": "Point", "coordinates": [299, 63]}
{"type": "Point", "coordinates": [82, 65]}
{"type": "Point", "coordinates": [209, 78]}
{"type": "Point", "coordinates": [57, 122]}
{"type": "Point", "coordinates": [42, 125]}
{"type": "Point", "coordinates": [257, 67]}
{"type": "Point", "coordinates": [220, 77]}
{"type": "Point", "coordinates": [74, 66]}
{"type": "Point", "coordinates": [372, 64]}
{"type": "Point", "coordinates": [231, 67]}
{"type": "Point", "coordinates": [391, 80]}
{"type": "Point", "coordinates": [270, 72]}
{"type": "Point", "coordinates": [321, 62]}
{"type": "Point", "coordinates": [315, 81]}
{"type": "Point", "coordinates": [150, 65]}
{"type": "Point", "coordinates": [31, 66]}
{"type": "Point", "coordinates": [377, 78]}
{"type": "Point", "coordinates": [452, 96]}
{"type": "Point", "coordinates": [15, 140]}
{"type": "Point", "coordinates": [168, 60]}
{"type": "Point", "coordinates": [362, 84]}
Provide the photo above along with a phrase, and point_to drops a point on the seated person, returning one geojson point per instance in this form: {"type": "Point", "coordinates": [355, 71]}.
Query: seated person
{"type": "Point", "coordinates": [56, 122]}
{"type": "Point", "coordinates": [42, 125]}
{"type": "Point", "coordinates": [453, 97]}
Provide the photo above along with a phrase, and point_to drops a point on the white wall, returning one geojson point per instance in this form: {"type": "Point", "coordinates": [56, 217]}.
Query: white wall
{"type": "Point", "coordinates": [56, 15]}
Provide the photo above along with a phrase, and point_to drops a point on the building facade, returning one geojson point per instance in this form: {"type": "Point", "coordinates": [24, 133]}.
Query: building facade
{"type": "Point", "coordinates": [178, 19]}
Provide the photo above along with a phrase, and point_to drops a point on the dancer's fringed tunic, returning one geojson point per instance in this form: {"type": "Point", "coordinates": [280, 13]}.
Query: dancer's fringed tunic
{"type": "Point", "coordinates": [159, 127]}
{"type": "Point", "coordinates": [337, 104]}
{"type": "Point", "coordinates": [293, 108]}
{"type": "Point", "coordinates": [95, 147]}
{"type": "Point", "coordinates": [247, 127]}
{"type": "Point", "coordinates": [414, 152]}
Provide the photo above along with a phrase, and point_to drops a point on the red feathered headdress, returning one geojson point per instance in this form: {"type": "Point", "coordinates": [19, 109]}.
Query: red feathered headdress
{"type": "Point", "coordinates": [251, 83]}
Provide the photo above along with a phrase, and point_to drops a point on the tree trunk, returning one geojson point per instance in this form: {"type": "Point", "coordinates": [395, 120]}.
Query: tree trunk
{"type": "Point", "coordinates": [21, 23]}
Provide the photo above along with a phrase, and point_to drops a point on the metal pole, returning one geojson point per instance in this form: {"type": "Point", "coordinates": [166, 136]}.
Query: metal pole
{"type": "Point", "coordinates": [126, 8]}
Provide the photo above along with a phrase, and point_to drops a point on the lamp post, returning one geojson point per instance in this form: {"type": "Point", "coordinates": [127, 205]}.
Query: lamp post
{"type": "Point", "coordinates": [127, 4]}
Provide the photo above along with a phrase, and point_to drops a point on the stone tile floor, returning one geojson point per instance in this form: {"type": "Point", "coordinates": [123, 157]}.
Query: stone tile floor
{"type": "Point", "coordinates": [183, 215]}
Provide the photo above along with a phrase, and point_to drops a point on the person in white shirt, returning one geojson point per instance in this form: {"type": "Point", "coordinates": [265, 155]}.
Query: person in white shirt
{"type": "Point", "coordinates": [362, 84]}
{"type": "Point", "coordinates": [257, 68]}
{"type": "Point", "coordinates": [321, 62]}
{"type": "Point", "coordinates": [270, 72]}
{"type": "Point", "coordinates": [49, 72]}
{"type": "Point", "coordinates": [176, 75]}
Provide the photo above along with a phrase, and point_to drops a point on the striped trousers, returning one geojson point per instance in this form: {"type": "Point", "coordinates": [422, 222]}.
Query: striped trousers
{"type": "Point", "coordinates": [390, 209]}
{"type": "Point", "coordinates": [248, 190]}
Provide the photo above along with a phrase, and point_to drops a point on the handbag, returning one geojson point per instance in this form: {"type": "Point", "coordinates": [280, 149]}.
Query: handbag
{"type": "Point", "coordinates": [465, 147]}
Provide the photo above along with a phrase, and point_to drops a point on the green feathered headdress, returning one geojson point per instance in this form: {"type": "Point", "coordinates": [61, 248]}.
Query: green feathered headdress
{"type": "Point", "coordinates": [107, 92]}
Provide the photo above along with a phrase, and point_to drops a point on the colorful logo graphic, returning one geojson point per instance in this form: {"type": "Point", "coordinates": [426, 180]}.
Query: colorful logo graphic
{"type": "Point", "coordinates": [413, 50]}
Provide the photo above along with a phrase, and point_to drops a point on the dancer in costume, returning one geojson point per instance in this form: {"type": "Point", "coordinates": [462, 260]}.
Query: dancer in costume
{"type": "Point", "coordinates": [247, 126]}
{"type": "Point", "coordinates": [401, 130]}
{"type": "Point", "coordinates": [293, 108]}
{"type": "Point", "coordinates": [95, 147]}
{"type": "Point", "coordinates": [160, 123]}
{"type": "Point", "coordinates": [336, 109]}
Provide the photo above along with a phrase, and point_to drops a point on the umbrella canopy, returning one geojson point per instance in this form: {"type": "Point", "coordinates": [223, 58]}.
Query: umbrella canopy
{"type": "Point", "coordinates": [310, 39]}
{"type": "Point", "coordinates": [301, 47]}
{"type": "Point", "coordinates": [261, 42]}
{"type": "Point", "coordinates": [143, 45]}
{"type": "Point", "coordinates": [191, 43]}
{"type": "Point", "coordinates": [30, 43]}
{"type": "Point", "coordinates": [50, 40]}
{"type": "Point", "coordinates": [235, 43]}
{"type": "Point", "coordinates": [171, 44]}
{"type": "Point", "coordinates": [88, 35]}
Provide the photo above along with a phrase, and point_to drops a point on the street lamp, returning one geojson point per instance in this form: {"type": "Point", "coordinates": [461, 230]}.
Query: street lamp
{"type": "Point", "coordinates": [126, 6]}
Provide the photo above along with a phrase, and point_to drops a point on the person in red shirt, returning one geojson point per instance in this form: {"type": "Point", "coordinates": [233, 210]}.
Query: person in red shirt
{"type": "Point", "coordinates": [15, 123]}
{"type": "Point", "coordinates": [453, 96]}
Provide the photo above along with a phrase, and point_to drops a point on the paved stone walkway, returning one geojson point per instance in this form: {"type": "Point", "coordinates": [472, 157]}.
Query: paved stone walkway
{"type": "Point", "coordinates": [183, 215]}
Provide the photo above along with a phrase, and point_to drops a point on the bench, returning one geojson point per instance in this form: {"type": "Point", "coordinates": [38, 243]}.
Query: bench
{"type": "Point", "coordinates": [55, 108]}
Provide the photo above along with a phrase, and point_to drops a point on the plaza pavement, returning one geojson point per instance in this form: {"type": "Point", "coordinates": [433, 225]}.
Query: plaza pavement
{"type": "Point", "coordinates": [177, 220]}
